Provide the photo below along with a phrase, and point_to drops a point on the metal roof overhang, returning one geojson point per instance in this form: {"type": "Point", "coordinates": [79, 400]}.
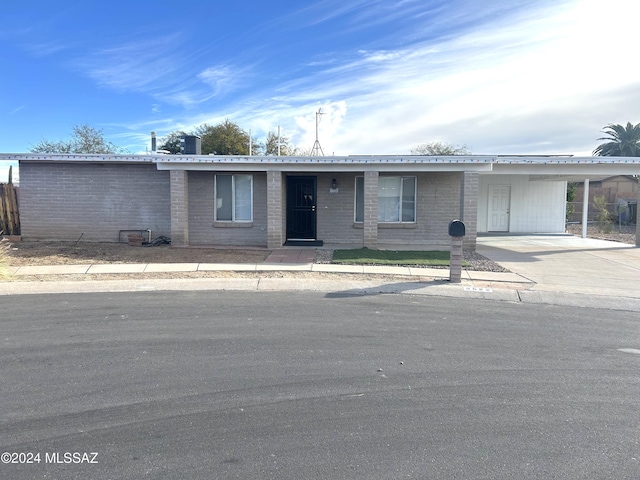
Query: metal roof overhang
{"type": "Point", "coordinates": [567, 168]}
{"type": "Point", "coordinates": [550, 168]}
{"type": "Point", "coordinates": [353, 163]}
{"type": "Point", "coordinates": [75, 158]}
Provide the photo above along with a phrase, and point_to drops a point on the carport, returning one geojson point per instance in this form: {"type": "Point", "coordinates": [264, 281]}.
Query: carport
{"type": "Point", "coordinates": [536, 211]}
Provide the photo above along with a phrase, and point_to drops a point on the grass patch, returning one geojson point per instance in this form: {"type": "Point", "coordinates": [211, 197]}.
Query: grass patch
{"type": "Point", "coordinates": [365, 256]}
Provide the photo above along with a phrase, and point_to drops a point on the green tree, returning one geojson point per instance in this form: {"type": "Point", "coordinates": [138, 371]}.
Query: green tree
{"type": "Point", "coordinates": [622, 141]}
{"type": "Point", "coordinates": [572, 188]}
{"type": "Point", "coordinates": [286, 149]}
{"type": "Point", "coordinates": [84, 139]}
{"type": "Point", "coordinates": [226, 138]}
{"type": "Point", "coordinates": [440, 148]}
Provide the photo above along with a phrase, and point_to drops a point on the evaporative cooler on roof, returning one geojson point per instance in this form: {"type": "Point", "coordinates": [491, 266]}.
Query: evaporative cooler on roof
{"type": "Point", "coordinates": [191, 145]}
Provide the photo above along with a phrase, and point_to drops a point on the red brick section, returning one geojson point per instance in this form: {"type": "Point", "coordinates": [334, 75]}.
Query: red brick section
{"type": "Point", "coordinates": [291, 255]}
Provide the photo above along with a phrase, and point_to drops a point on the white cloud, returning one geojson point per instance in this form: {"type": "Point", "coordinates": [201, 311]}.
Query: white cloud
{"type": "Point", "coordinates": [523, 80]}
{"type": "Point", "coordinates": [510, 81]}
{"type": "Point", "coordinates": [17, 109]}
{"type": "Point", "coordinates": [141, 64]}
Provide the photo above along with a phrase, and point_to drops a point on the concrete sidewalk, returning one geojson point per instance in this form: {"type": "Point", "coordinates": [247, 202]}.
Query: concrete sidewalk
{"type": "Point", "coordinates": [551, 269]}
{"type": "Point", "coordinates": [132, 268]}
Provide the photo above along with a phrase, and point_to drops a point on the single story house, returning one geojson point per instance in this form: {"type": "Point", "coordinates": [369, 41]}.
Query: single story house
{"type": "Point", "coordinates": [376, 201]}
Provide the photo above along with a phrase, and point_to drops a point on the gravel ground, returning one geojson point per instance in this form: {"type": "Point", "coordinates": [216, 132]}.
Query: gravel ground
{"type": "Point", "coordinates": [620, 233]}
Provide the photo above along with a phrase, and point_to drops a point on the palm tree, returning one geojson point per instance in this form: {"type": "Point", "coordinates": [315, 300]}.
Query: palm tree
{"type": "Point", "coordinates": [623, 141]}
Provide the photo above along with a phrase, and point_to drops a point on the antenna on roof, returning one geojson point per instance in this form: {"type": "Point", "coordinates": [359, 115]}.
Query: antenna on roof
{"type": "Point", "coordinates": [317, 149]}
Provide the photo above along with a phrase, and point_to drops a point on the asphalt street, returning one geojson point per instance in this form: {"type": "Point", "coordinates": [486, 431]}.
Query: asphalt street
{"type": "Point", "coordinates": [297, 385]}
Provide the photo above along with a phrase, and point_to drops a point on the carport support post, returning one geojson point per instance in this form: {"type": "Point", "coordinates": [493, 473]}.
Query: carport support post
{"type": "Point", "coordinates": [638, 222]}
{"type": "Point", "coordinates": [455, 260]}
{"type": "Point", "coordinates": [585, 208]}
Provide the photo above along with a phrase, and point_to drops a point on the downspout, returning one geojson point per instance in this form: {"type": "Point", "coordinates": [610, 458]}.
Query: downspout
{"type": "Point", "coordinates": [461, 216]}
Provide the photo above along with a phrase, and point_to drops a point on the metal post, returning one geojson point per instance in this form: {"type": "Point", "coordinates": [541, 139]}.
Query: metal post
{"type": "Point", "coordinates": [585, 208]}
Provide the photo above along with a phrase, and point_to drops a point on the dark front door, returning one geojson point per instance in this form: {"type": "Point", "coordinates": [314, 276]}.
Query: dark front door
{"type": "Point", "coordinates": [301, 209]}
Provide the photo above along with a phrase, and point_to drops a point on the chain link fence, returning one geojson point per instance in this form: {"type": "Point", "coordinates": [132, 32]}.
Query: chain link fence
{"type": "Point", "coordinates": [622, 213]}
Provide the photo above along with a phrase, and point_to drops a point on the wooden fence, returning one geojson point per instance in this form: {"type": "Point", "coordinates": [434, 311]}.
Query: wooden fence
{"type": "Point", "coordinates": [9, 215]}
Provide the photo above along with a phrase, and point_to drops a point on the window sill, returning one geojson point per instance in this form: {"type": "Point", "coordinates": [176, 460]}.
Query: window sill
{"type": "Point", "coordinates": [232, 224]}
{"type": "Point", "coordinates": [398, 225]}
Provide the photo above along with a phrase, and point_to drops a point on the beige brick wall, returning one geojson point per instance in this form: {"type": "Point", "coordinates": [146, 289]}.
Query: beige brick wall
{"type": "Point", "coordinates": [275, 205]}
{"type": "Point", "coordinates": [62, 201]}
{"type": "Point", "coordinates": [438, 202]}
{"type": "Point", "coordinates": [469, 214]}
{"type": "Point", "coordinates": [179, 207]}
{"type": "Point", "coordinates": [203, 231]}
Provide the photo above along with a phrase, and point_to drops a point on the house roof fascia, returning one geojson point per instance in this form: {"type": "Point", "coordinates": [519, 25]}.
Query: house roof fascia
{"type": "Point", "coordinates": [483, 164]}
{"type": "Point", "coordinates": [584, 170]}
{"type": "Point", "coordinates": [565, 160]}
{"type": "Point", "coordinates": [75, 157]}
{"type": "Point", "coordinates": [341, 163]}
{"type": "Point", "coordinates": [301, 167]}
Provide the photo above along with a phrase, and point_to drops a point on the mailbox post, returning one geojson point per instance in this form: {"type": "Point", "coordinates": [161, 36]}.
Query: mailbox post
{"type": "Point", "coordinates": [456, 231]}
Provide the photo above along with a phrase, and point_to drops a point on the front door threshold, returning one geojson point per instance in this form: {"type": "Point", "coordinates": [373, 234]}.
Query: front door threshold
{"type": "Point", "coordinates": [303, 243]}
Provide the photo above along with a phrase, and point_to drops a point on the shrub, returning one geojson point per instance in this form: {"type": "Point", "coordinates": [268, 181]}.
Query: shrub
{"type": "Point", "coordinates": [4, 255]}
{"type": "Point", "coordinates": [605, 224]}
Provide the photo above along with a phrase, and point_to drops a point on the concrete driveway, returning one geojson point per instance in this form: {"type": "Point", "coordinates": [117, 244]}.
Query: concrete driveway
{"type": "Point", "coordinates": [566, 263]}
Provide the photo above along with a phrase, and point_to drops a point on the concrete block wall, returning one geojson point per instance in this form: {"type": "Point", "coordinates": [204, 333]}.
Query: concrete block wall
{"type": "Point", "coordinates": [438, 202]}
{"type": "Point", "coordinates": [202, 230]}
{"type": "Point", "coordinates": [62, 201]}
{"type": "Point", "coordinates": [370, 224]}
{"type": "Point", "coordinates": [275, 205]}
{"type": "Point", "coordinates": [336, 211]}
{"type": "Point", "coordinates": [179, 197]}
{"type": "Point", "coordinates": [469, 213]}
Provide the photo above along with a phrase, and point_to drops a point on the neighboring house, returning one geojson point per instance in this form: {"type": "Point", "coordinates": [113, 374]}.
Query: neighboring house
{"type": "Point", "coordinates": [375, 201]}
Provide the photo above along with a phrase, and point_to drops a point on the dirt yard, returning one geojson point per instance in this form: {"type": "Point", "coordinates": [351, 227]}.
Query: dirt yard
{"type": "Point", "coordinates": [620, 233]}
{"type": "Point", "coordinates": [69, 253]}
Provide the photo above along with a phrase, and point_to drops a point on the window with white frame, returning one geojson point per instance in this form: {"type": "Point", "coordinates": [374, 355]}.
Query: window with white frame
{"type": "Point", "coordinates": [234, 198]}
{"type": "Point", "coordinates": [396, 199]}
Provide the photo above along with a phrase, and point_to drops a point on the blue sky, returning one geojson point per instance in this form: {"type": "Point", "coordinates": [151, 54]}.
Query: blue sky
{"type": "Point", "coordinates": [500, 76]}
